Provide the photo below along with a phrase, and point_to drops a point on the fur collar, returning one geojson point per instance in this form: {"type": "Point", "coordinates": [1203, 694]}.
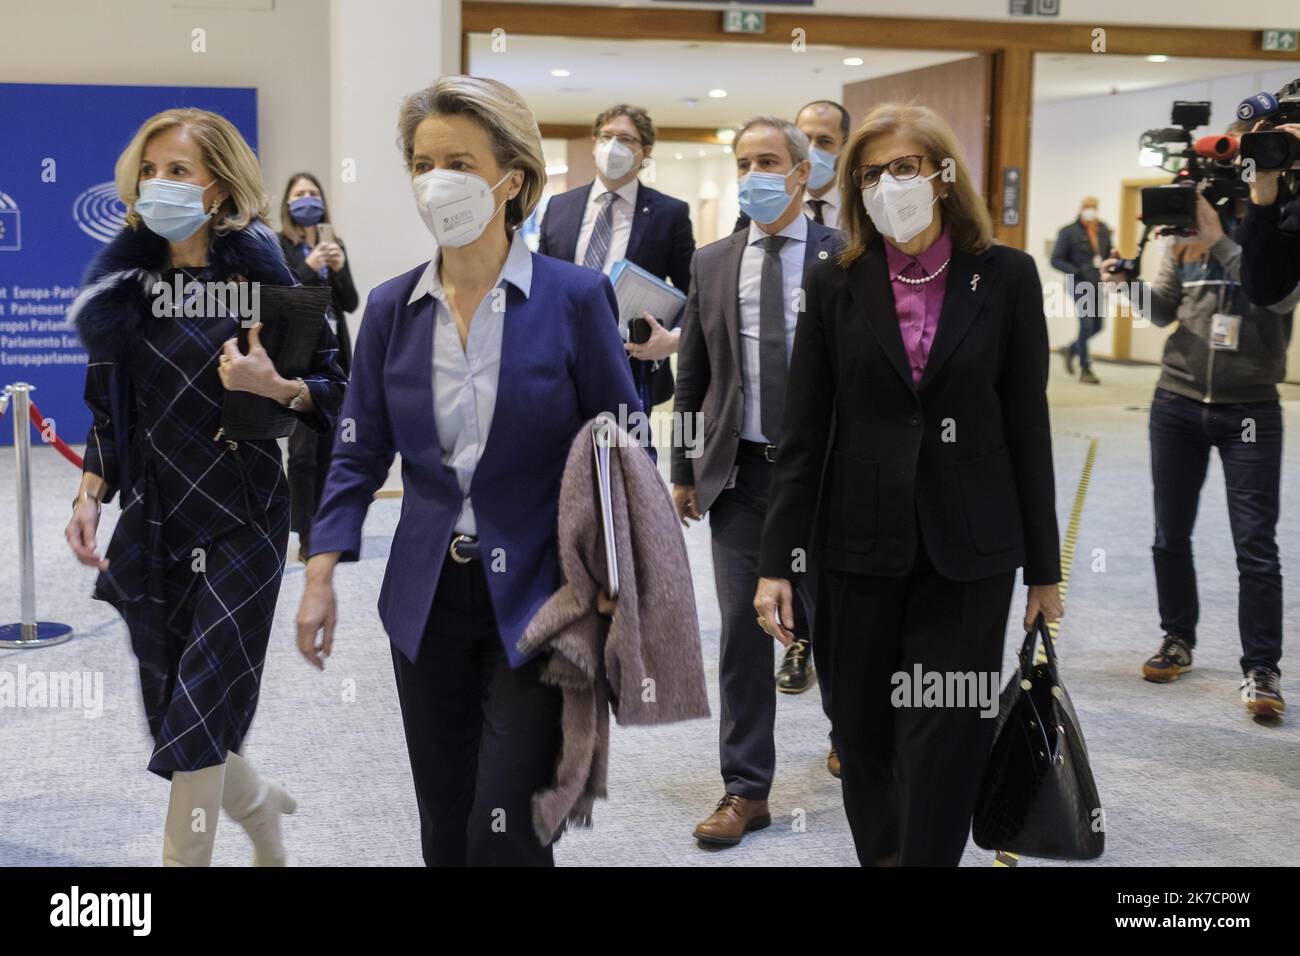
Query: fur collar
{"type": "Point", "coordinates": [112, 307]}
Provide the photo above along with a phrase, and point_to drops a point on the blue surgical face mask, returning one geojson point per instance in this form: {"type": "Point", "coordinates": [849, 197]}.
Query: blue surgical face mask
{"type": "Point", "coordinates": [823, 168]}
{"type": "Point", "coordinates": [763, 197]}
{"type": "Point", "coordinates": [307, 210]}
{"type": "Point", "coordinates": [173, 210]}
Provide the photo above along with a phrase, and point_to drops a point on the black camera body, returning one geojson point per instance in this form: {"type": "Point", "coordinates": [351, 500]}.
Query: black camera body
{"type": "Point", "coordinates": [1273, 150]}
{"type": "Point", "coordinates": [1171, 208]}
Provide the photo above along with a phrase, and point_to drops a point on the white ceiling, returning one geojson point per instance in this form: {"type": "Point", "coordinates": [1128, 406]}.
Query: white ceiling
{"type": "Point", "coordinates": [672, 78]}
{"type": "Point", "coordinates": [662, 75]}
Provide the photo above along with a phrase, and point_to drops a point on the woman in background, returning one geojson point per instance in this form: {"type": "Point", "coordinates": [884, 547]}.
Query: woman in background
{"type": "Point", "coordinates": [316, 257]}
{"type": "Point", "coordinates": [195, 561]}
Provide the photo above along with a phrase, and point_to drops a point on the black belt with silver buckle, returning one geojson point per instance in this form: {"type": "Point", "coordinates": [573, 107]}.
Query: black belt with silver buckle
{"type": "Point", "coordinates": [760, 449]}
{"type": "Point", "coordinates": [463, 549]}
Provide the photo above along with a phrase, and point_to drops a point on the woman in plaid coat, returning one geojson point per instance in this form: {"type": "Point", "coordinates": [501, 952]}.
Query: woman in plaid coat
{"type": "Point", "coordinates": [195, 561]}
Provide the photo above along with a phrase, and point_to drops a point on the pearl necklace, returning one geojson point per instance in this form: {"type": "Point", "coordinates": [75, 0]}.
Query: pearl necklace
{"type": "Point", "coordinates": [922, 281]}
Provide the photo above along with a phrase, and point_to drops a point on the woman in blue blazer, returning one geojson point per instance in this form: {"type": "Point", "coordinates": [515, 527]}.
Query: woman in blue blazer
{"type": "Point", "coordinates": [479, 368]}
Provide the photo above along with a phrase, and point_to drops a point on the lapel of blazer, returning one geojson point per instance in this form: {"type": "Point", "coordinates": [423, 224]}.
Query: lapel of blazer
{"type": "Point", "coordinates": [642, 216]}
{"type": "Point", "coordinates": [963, 301]}
{"type": "Point", "coordinates": [817, 248]}
{"type": "Point", "coordinates": [869, 288]}
{"type": "Point", "coordinates": [730, 277]}
{"type": "Point", "coordinates": [570, 224]}
{"type": "Point", "coordinates": [419, 353]}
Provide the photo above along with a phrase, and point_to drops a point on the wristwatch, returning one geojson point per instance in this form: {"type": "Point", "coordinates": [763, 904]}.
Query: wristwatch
{"type": "Point", "coordinates": [295, 403]}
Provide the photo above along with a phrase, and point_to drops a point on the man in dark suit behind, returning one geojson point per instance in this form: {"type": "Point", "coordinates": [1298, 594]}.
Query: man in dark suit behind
{"type": "Point", "coordinates": [746, 296]}
{"type": "Point", "coordinates": [618, 217]}
{"type": "Point", "coordinates": [1081, 247]}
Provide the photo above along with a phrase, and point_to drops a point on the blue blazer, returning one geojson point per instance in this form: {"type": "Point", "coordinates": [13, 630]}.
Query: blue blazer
{"type": "Point", "coordinates": [562, 363]}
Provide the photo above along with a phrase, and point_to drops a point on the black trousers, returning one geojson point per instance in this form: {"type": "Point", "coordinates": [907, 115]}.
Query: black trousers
{"type": "Point", "coordinates": [746, 682]}
{"type": "Point", "coordinates": [1249, 442]}
{"type": "Point", "coordinates": [482, 737]}
{"type": "Point", "coordinates": [309, 464]}
{"type": "Point", "coordinates": [910, 774]}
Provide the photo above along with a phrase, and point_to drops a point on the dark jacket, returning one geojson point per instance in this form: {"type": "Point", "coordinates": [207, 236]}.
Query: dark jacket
{"type": "Point", "coordinates": [550, 385]}
{"type": "Point", "coordinates": [1073, 253]}
{"type": "Point", "coordinates": [1270, 243]}
{"type": "Point", "coordinates": [662, 242]}
{"type": "Point", "coordinates": [1190, 291]}
{"type": "Point", "coordinates": [344, 292]}
{"type": "Point", "coordinates": [114, 303]}
{"type": "Point", "coordinates": [968, 456]}
{"type": "Point", "coordinates": [709, 376]}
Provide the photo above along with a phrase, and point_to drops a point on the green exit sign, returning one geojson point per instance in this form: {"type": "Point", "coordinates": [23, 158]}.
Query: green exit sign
{"type": "Point", "coordinates": [751, 21]}
{"type": "Point", "coordinates": [1278, 41]}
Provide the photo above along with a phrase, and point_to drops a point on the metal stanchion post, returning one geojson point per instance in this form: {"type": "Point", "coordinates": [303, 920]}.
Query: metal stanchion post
{"type": "Point", "coordinates": [28, 632]}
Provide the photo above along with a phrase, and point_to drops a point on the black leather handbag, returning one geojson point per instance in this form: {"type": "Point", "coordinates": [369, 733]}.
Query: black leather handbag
{"type": "Point", "coordinates": [1038, 797]}
{"type": "Point", "coordinates": [291, 318]}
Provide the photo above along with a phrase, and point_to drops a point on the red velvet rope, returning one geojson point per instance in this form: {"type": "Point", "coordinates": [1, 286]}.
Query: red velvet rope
{"type": "Point", "coordinates": [40, 422]}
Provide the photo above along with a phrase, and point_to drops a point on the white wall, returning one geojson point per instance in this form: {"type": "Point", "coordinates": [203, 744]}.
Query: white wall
{"type": "Point", "coordinates": [282, 50]}
{"type": "Point", "coordinates": [694, 178]}
{"type": "Point", "coordinates": [1087, 146]}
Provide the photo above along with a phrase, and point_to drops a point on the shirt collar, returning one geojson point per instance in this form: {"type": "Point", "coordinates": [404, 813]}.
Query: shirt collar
{"type": "Point", "coordinates": [796, 229]}
{"type": "Point", "coordinates": [626, 192]}
{"type": "Point", "coordinates": [930, 260]}
{"type": "Point", "coordinates": [831, 197]}
{"type": "Point", "coordinates": [517, 270]}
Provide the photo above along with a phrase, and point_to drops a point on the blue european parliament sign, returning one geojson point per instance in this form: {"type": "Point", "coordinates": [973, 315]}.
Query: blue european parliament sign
{"type": "Point", "coordinates": [58, 207]}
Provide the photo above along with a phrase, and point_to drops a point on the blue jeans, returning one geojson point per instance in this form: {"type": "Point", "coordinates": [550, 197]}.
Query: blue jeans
{"type": "Point", "coordinates": [1182, 433]}
{"type": "Point", "coordinates": [1089, 317]}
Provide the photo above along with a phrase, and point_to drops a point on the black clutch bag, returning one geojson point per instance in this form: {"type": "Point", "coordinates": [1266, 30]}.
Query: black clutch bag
{"type": "Point", "coordinates": [291, 318]}
{"type": "Point", "coordinates": [1038, 797]}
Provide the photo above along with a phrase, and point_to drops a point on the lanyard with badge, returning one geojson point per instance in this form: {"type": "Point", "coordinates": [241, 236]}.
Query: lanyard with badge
{"type": "Point", "coordinates": [1225, 329]}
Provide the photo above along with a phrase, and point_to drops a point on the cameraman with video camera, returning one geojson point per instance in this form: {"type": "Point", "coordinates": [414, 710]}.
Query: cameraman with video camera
{"type": "Point", "coordinates": [1217, 389]}
{"type": "Point", "coordinates": [1270, 233]}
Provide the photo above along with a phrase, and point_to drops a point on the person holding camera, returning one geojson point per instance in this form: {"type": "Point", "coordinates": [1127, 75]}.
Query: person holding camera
{"type": "Point", "coordinates": [1270, 233]}
{"type": "Point", "coordinates": [1217, 389]}
{"type": "Point", "coordinates": [317, 257]}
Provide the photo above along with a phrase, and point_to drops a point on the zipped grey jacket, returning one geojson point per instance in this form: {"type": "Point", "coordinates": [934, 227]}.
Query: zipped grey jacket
{"type": "Point", "coordinates": [1190, 291]}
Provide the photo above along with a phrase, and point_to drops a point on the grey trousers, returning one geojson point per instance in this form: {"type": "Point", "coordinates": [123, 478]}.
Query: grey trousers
{"type": "Point", "coordinates": [746, 683]}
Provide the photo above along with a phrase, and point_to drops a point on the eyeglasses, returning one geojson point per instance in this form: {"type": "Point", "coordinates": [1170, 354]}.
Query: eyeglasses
{"type": "Point", "coordinates": [904, 167]}
{"type": "Point", "coordinates": [631, 142]}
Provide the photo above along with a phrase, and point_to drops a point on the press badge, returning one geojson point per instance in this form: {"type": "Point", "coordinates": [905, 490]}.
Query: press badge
{"type": "Point", "coordinates": [1225, 331]}
{"type": "Point", "coordinates": [1096, 262]}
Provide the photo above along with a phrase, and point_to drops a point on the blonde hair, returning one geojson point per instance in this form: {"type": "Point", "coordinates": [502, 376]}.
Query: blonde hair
{"type": "Point", "coordinates": [230, 159]}
{"type": "Point", "coordinates": [503, 114]}
{"type": "Point", "coordinates": [964, 213]}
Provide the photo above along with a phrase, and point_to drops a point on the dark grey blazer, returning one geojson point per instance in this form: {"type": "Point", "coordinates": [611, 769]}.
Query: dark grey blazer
{"type": "Point", "coordinates": [708, 359]}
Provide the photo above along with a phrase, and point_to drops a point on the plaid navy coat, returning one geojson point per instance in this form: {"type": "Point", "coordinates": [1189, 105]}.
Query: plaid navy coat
{"type": "Point", "coordinates": [196, 558]}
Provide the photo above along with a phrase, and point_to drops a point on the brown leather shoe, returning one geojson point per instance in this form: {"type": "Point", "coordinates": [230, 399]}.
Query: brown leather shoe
{"type": "Point", "coordinates": [833, 763]}
{"type": "Point", "coordinates": [734, 817]}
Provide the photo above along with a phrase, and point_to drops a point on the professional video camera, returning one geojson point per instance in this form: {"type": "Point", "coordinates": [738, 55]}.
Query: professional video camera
{"type": "Point", "coordinates": [1171, 209]}
{"type": "Point", "coordinates": [1272, 149]}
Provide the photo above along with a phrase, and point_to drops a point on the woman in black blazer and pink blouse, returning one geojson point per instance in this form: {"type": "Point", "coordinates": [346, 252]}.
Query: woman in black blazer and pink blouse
{"type": "Point", "coordinates": [921, 359]}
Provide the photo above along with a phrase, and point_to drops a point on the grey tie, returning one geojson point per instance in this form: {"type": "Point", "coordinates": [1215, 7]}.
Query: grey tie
{"type": "Point", "coordinates": [771, 338]}
{"type": "Point", "coordinates": [598, 244]}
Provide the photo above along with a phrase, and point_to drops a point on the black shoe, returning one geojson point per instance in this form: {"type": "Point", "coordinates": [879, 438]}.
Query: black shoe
{"type": "Point", "coordinates": [1087, 378]}
{"type": "Point", "coordinates": [1174, 657]}
{"type": "Point", "coordinates": [1067, 353]}
{"type": "Point", "coordinates": [1262, 693]}
{"type": "Point", "coordinates": [794, 673]}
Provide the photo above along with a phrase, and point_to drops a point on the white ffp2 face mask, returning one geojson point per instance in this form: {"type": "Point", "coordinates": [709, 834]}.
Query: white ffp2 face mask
{"type": "Point", "coordinates": [900, 209]}
{"type": "Point", "coordinates": [613, 159]}
{"type": "Point", "coordinates": [456, 206]}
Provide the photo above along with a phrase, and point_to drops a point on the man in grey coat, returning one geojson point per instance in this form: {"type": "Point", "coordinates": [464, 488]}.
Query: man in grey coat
{"type": "Point", "coordinates": [737, 332]}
